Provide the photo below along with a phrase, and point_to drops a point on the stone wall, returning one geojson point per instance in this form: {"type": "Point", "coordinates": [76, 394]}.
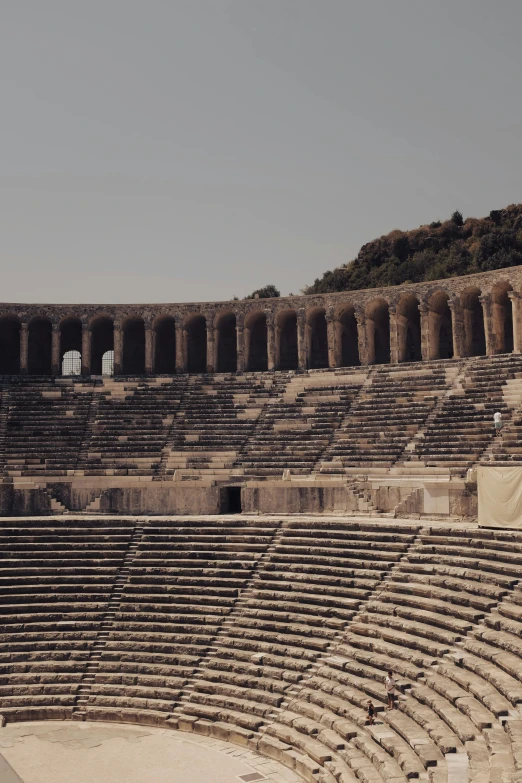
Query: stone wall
{"type": "Point", "coordinates": [465, 316]}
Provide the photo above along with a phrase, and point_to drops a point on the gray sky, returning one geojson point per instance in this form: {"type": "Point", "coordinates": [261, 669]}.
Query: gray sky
{"type": "Point", "coordinates": [178, 150]}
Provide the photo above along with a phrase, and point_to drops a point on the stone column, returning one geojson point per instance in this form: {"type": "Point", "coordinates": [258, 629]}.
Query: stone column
{"type": "Point", "coordinates": [394, 336]}
{"type": "Point", "coordinates": [24, 348]}
{"type": "Point", "coordinates": [55, 350]}
{"type": "Point", "coordinates": [426, 346]}
{"type": "Point", "coordinates": [240, 341]}
{"type": "Point", "coordinates": [211, 344]}
{"type": "Point", "coordinates": [301, 339]}
{"type": "Point", "coordinates": [457, 328]}
{"type": "Point", "coordinates": [86, 349]}
{"type": "Point", "coordinates": [331, 332]}
{"type": "Point", "coordinates": [181, 365]}
{"type": "Point", "coordinates": [491, 340]}
{"type": "Point", "coordinates": [118, 348]}
{"type": "Point", "coordinates": [271, 341]}
{"type": "Point", "coordinates": [362, 337]}
{"type": "Point", "coordinates": [149, 354]}
{"type": "Point", "coordinates": [515, 307]}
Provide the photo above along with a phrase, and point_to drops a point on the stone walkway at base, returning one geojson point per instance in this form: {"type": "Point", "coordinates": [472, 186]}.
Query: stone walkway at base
{"type": "Point", "coordinates": [69, 752]}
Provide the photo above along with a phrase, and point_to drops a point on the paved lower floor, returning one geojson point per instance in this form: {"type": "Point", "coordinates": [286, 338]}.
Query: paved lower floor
{"type": "Point", "coordinates": [70, 752]}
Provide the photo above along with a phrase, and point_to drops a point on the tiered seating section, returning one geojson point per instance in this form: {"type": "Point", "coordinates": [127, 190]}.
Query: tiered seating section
{"type": "Point", "coordinates": [256, 425]}
{"type": "Point", "coordinates": [274, 635]}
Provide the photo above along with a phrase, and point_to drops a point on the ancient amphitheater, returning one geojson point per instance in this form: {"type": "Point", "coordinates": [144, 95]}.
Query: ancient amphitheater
{"type": "Point", "coordinates": [227, 522]}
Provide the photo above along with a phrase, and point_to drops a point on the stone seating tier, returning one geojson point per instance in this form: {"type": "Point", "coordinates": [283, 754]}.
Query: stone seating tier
{"type": "Point", "coordinates": [416, 416]}
{"type": "Point", "coordinates": [274, 634]}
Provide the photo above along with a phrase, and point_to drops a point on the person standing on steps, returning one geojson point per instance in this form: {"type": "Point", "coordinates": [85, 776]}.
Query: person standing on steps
{"type": "Point", "coordinates": [497, 421]}
{"type": "Point", "coordinates": [390, 690]}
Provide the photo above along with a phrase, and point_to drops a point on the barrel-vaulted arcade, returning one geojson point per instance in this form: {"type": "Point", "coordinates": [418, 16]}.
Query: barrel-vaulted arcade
{"type": "Point", "coordinates": [461, 317]}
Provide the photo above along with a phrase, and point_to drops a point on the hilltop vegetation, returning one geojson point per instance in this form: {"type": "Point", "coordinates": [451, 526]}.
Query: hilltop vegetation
{"type": "Point", "coordinates": [438, 250]}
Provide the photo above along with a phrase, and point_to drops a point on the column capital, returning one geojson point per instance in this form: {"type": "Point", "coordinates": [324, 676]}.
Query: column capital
{"type": "Point", "coordinates": [514, 296]}
{"type": "Point", "coordinates": [301, 315]}
{"type": "Point", "coordinates": [485, 299]}
{"type": "Point", "coordinates": [392, 309]}
{"type": "Point", "coordinates": [24, 326]}
{"type": "Point", "coordinates": [240, 320]}
{"type": "Point", "coordinates": [55, 326]}
{"type": "Point", "coordinates": [424, 308]}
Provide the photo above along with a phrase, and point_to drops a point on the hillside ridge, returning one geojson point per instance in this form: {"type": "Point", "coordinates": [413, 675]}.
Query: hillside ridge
{"type": "Point", "coordinates": [433, 251]}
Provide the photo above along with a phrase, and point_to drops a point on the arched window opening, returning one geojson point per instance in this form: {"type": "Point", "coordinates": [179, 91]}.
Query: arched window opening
{"type": "Point", "coordinates": [107, 363]}
{"type": "Point", "coordinates": [317, 339]}
{"type": "Point", "coordinates": [102, 342]}
{"type": "Point", "coordinates": [72, 363]}
{"type": "Point", "coordinates": [133, 357]}
{"type": "Point", "coordinates": [409, 330]}
{"type": "Point", "coordinates": [165, 347]}
{"type": "Point", "coordinates": [347, 339]}
{"type": "Point", "coordinates": [502, 315]}
{"type": "Point", "coordinates": [226, 344]}
{"type": "Point", "coordinates": [378, 326]}
{"type": "Point", "coordinates": [70, 342]}
{"type": "Point", "coordinates": [196, 348]}
{"type": "Point", "coordinates": [445, 342]}
{"type": "Point", "coordinates": [287, 329]}
{"type": "Point", "coordinates": [256, 337]}
{"type": "Point", "coordinates": [9, 346]}
{"type": "Point", "coordinates": [473, 316]}
{"type": "Point", "coordinates": [40, 347]}
{"type": "Point", "coordinates": [440, 336]}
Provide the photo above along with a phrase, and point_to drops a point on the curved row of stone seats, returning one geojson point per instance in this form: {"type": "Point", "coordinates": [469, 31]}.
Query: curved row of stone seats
{"type": "Point", "coordinates": [45, 424]}
{"type": "Point", "coordinates": [463, 426]}
{"type": "Point", "coordinates": [56, 579]}
{"type": "Point", "coordinates": [294, 430]}
{"type": "Point", "coordinates": [216, 418]}
{"type": "Point", "coordinates": [440, 594]}
{"type": "Point", "coordinates": [387, 414]}
{"type": "Point", "coordinates": [256, 675]}
{"type": "Point", "coordinates": [184, 581]}
{"type": "Point", "coordinates": [131, 422]}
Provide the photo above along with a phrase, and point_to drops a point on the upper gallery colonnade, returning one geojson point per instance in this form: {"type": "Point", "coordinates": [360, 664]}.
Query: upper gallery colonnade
{"type": "Point", "coordinates": [468, 316]}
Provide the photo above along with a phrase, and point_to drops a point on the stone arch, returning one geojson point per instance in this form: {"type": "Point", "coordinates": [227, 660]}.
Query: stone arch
{"type": "Point", "coordinates": [256, 342]}
{"type": "Point", "coordinates": [39, 361]}
{"type": "Point", "coordinates": [286, 343]}
{"type": "Point", "coordinates": [133, 353]}
{"type": "Point", "coordinates": [378, 331]}
{"type": "Point", "coordinates": [226, 342]}
{"type": "Point", "coordinates": [409, 347]}
{"type": "Point", "coordinates": [165, 345]}
{"type": "Point", "coordinates": [502, 317]}
{"type": "Point", "coordinates": [9, 345]}
{"type": "Point", "coordinates": [102, 343]}
{"type": "Point", "coordinates": [440, 336]}
{"type": "Point", "coordinates": [196, 343]}
{"type": "Point", "coordinates": [316, 338]}
{"type": "Point", "coordinates": [70, 340]}
{"type": "Point", "coordinates": [346, 338]}
{"type": "Point", "coordinates": [473, 322]}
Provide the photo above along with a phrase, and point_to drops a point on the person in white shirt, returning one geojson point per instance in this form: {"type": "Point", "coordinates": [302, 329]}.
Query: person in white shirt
{"type": "Point", "coordinates": [497, 420]}
{"type": "Point", "coordinates": [390, 690]}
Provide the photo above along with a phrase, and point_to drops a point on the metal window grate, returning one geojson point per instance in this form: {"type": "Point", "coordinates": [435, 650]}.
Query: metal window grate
{"type": "Point", "coordinates": [108, 363]}
{"type": "Point", "coordinates": [72, 363]}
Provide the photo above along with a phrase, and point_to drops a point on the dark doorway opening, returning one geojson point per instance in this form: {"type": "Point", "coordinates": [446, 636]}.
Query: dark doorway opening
{"type": "Point", "coordinates": [231, 500]}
